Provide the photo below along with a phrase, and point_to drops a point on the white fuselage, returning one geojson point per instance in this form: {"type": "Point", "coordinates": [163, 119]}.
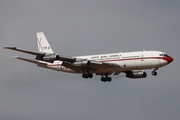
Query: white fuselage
{"type": "Point", "coordinates": [139, 60]}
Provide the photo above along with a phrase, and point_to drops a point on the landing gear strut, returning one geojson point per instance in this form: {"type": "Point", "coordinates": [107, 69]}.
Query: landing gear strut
{"type": "Point", "coordinates": [154, 73]}
{"type": "Point", "coordinates": [106, 79]}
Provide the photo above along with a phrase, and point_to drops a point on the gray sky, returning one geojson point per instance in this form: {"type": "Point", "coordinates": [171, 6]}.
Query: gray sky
{"type": "Point", "coordinates": [84, 27]}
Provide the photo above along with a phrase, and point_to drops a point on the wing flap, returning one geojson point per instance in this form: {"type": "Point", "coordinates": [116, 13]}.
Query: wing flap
{"type": "Point", "coordinates": [116, 73]}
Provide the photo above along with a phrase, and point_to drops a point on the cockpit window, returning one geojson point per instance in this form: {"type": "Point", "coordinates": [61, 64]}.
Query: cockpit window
{"type": "Point", "coordinates": [163, 54]}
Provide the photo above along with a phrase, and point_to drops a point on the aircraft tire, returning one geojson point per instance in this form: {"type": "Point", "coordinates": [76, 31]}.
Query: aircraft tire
{"type": "Point", "coordinates": [103, 79]}
{"type": "Point", "coordinates": [109, 79]}
{"type": "Point", "coordinates": [90, 75]}
{"type": "Point", "coordinates": [154, 73]}
{"type": "Point", "coordinates": [106, 79]}
{"type": "Point", "coordinates": [84, 75]}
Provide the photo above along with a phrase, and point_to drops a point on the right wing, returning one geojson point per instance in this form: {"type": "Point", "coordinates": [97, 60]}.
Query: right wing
{"type": "Point", "coordinates": [39, 63]}
{"type": "Point", "coordinates": [92, 66]}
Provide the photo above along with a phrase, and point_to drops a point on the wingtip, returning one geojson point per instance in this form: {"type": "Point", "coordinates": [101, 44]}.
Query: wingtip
{"type": "Point", "coordinates": [9, 47]}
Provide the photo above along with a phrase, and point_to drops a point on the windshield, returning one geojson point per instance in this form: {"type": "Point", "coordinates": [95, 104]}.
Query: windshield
{"type": "Point", "coordinates": [163, 54]}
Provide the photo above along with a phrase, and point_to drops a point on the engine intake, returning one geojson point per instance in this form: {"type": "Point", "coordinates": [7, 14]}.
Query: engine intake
{"type": "Point", "coordinates": [136, 74]}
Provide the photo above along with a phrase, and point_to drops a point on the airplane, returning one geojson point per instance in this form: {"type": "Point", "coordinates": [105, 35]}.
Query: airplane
{"type": "Point", "coordinates": [132, 64]}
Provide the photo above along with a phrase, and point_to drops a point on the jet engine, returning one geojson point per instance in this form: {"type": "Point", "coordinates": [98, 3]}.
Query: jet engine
{"type": "Point", "coordinates": [136, 74]}
{"type": "Point", "coordinates": [48, 57]}
{"type": "Point", "coordinates": [83, 63]}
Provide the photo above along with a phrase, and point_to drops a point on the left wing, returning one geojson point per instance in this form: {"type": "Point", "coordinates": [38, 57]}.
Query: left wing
{"type": "Point", "coordinates": [48, 57]}
{"type": "Point", "coordinates": [23, 50]}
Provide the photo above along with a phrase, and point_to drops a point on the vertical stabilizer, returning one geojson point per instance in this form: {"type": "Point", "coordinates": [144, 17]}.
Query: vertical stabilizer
{"type": "Point", "coordinates": [43, 44]}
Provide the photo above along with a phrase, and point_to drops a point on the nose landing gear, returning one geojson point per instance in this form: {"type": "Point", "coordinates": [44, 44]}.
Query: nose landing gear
{"type": "Point", "coordinates": [154, 73]}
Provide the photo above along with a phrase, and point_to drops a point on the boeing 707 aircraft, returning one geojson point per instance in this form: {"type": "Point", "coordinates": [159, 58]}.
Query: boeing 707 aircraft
{"type": "Point", "coordinates": [132, 64]}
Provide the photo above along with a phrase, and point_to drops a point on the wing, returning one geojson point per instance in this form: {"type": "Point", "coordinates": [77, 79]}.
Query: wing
{"type": "Point", "coordinates": [84, 65]}
{"type": "Point", "coordinates": [91, 66]}
{"type": "Point", "coordinates": [23, 50]}
{"type": "Point", "coordinates": [39, 63]}
{"type": "Point", "coordinates": [70, 59]}
{"type": "Point", "coordinates": [48, 57]}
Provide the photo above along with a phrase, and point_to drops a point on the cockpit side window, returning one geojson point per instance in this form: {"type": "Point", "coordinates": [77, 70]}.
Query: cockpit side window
{"type": "Point", "coordinates": [163, 54]}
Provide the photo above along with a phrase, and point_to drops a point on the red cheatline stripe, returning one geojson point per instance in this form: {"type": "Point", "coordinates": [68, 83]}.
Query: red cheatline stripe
{"type": "Point", "coordinates": [118, 60]}
{"type": "Point", "coordinates": [132, 59]}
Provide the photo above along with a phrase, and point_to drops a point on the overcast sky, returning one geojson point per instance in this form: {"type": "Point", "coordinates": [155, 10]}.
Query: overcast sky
{"type": "Point", "coordinates": [81, 27]}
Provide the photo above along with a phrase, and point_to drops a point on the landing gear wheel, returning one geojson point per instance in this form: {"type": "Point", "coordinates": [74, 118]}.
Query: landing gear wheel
{"type": "Point", "coordinates": [106, 79]}
{"type": "Point", "coordinates": [154, 73]}
{"type": "Point", "coordinates": [84, 75]}
{"type": "Point", "coordinates": [103, 79]}
{"type": "Point", "coordinates": [88, 75]}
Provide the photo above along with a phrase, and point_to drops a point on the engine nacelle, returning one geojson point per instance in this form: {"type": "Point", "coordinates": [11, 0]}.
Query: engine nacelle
{"type": "Point", "coordinates": [83, 63]}
{"type": "Point", "coordinates": [51, 57]}
{"type": "Point", "coordinates": [136, 74]}
{"type": "Point", "coordinates": [78, 60]}
{"type": "Point", "coordinates": [48, 57]}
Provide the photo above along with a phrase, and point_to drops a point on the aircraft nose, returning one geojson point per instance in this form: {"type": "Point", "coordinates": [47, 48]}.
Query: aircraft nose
{"type": "Point", "coordinates": [169, 59]}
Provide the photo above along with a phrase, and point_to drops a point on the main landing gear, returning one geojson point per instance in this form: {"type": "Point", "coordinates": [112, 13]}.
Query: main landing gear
{"type": "Point", "coordinates": [87, 75]}
{"type": "Point", "coordinates": [106, 79]}
{"type": "Point", "coordinates": [154, 73]}
{"type": "Point", "coordinates": [103, 79]}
